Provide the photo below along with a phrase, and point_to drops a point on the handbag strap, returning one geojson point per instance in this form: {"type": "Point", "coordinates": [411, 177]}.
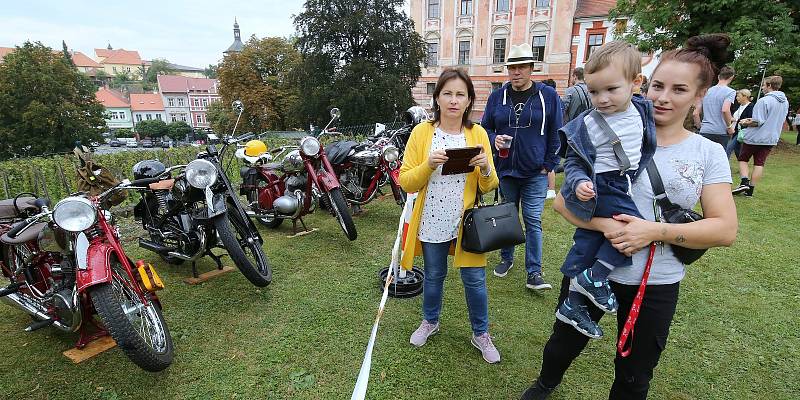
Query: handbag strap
{"type": "Point", "coordinates": [626, 336]}
{"type": "Point", "coordinates": [658, 187]}
{"type": "Point", "coordinates": [619, 152]}
{"type": "Point", "coordinates": [478, 196]}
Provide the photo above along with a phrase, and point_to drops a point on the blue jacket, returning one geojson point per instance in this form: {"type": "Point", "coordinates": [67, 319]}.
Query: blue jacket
{"type": "Point", "coordinates": [534, 147]}
{"type": "Point", "coordinates": [577, 148]}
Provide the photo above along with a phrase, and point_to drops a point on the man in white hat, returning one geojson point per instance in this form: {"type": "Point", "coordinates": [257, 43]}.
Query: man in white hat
{"type": "Point", "coordinates": [522, 118]}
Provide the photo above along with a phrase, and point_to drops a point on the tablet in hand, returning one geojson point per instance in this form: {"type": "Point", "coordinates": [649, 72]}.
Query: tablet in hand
{"type": "Point", "coordinates": [458, 160]}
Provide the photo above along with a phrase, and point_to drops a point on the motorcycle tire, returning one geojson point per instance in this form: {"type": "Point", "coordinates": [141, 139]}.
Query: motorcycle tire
{"type": "Point", "coordinates": [273, 222]}
{"type": "Point", "coordinates": [340, 211]}
{"type": "Point", "coordinates": [146, 353]}
{"type": "Point", "coordinates": [231, 229]}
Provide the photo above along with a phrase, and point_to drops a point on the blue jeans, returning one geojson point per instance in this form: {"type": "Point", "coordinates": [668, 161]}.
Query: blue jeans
{"type": "Point", "coordinates": [530, 192]}
{"type": "Point", "coordinates": [474, 279]}
{"type": "Point", "coordinates": [733, 146]}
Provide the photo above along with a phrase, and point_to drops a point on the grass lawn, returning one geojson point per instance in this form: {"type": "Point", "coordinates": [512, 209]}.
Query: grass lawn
{"type": "Point", "coordinates": [736, 334]}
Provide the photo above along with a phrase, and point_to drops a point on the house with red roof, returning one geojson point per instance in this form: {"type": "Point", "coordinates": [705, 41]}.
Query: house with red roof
{"type": "Point", "coordinates": [187, 99]}
{"type": "Point", "coordinates": [116, 61]}
{"type": "Point", "coordinates": [118, 109]}
{"type": "Point", "coordinates": [147, 106]}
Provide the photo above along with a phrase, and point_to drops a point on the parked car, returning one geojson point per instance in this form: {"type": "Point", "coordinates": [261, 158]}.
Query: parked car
{"type": "Point", "coordinates": [131, 144]}
{"type": "Point", "coordinates": [115, 143]}
{"type": "Point", "coordinates": [146, 143]}
{"type": "Point", "coordinates": [165, 144]}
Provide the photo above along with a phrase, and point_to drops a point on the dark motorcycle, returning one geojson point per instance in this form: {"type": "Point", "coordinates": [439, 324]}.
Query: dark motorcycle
{"type": "Point", "coordinates": [199, 210]}
{"type": "Point", "coordinates": [293, 188]}
{"type": "Point", "coordinates": [67, 264]}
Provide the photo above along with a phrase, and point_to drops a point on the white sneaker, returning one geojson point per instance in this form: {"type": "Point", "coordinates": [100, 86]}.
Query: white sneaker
{"type": "Point", "coordinates": [551, 194]}
{"type": "Point", "coordinates": [425, 330]}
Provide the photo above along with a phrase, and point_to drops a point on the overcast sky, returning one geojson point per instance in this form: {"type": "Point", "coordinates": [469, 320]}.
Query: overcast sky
{"type": "Point", "coordinates": [191, 33]}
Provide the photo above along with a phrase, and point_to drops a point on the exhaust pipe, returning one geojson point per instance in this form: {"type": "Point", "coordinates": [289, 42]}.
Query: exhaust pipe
{"type": "Point", "coordinates": [30, 307]}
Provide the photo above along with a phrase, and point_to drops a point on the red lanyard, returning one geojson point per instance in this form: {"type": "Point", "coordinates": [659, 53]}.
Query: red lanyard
{"type": "Point", "coordinates": [627, 331]}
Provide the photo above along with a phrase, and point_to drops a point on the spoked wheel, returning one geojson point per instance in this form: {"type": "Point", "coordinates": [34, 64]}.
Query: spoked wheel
{"type": "Point", "coordinates": [139, 329]}
{"type": "Point", "coordinates": [244, 249]}
{"type": "Point", "coordinates": [338, 207]}
{"type": "Point", "coordinates": [269, 221]}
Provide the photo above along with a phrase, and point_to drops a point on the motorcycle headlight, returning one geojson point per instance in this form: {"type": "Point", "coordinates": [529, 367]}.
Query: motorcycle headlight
{"type": "Point", "coordinates": [74, 214]}
{"type": "Point", "coordinates": [391, 153]}
{"type": "Point", "coordinates": [310, 146]}
{"type": "Point", "coordinates": [201, 174]}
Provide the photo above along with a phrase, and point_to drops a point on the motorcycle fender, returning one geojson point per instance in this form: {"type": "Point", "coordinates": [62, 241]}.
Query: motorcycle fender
{"type": "Point", "coordinates": [98, 266]}
{"type": "Point", "coordinates": [395, 175]}
{"type": "Point", "coordinates": [327, 181]}
{"type": "Point", "coordinates": [219, 207]}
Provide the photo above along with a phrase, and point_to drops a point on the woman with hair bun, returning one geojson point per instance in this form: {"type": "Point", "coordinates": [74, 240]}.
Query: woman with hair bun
{"type": "Point", "coordinates": [692, 169]}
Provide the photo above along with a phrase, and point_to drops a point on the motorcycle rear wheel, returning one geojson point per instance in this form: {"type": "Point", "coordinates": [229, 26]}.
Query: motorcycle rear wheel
{"type": "Point", "coordinates": [340, 211]}
{"type": "Point", "coordinates": [139, 330]}
{"type": "Point", "coordinates": [270, 222]}
{"type": "Point", "coordinates": [248, 256]}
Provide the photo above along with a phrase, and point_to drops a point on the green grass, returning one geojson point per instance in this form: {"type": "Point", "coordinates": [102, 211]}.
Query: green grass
{"type": "Point", "coordinates": [735, 334]}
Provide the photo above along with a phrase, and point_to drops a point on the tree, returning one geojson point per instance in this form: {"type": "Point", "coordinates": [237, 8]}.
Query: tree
{"type": "Point", "coordinates": [154, 128]}
{"type": "Point", "coordinates": [361, 56]}
{"type": "Point", "coordinates": [263, 77]}
{"type": "Point", "coordinates": [158, 66]}
{"type": "Point", "coordinates": [123, 133]}
{"type": "Point", "coordinates": [178, 130]}
{"type": "Point", "coordinates": [46, 105]}
{"type": "Point", "coordinates": [211, 71]}
{"type": "Point", "coordinates": [220, 116]}
{"type": "Point", "coordinates": [759, 30]}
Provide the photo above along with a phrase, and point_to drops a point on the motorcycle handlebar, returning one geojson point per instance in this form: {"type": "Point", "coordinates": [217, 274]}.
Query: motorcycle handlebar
{"type": "Point", "coordinates": [17, 228]}
{"type": "Point", "coordinates": [145, 181]}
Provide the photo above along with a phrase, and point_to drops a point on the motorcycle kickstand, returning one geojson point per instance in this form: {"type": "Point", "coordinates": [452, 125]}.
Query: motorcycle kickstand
{"type": "Point", "coordinates": [217, 259]}
{"type": "Point", "coordinates": [194, 270]}
{"type": "Point", "coordinates": [294, 226]}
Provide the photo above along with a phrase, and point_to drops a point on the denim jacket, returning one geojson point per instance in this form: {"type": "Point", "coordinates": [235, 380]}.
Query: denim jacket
{"type": "Point", "coordinates": [577, 148]}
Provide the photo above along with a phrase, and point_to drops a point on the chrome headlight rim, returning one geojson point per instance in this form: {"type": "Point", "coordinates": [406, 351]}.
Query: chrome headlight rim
{"type": "Point", "coordinates": [390, 153]}
{"type": "Point", "coordinates": [75, 214]}
{"type": "Point", "coordinates": [201, 174]}
{"type": "Point", "coordinates": [310, 146]}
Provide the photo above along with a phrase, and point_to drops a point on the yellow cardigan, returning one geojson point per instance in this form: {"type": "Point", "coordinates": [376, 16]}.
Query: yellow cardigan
{"type": "Point", "coordinates": [414, 176]}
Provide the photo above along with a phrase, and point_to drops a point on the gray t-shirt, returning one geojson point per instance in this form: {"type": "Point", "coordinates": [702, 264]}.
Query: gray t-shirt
{"type": "Point", "coordinates": [685, 168]}
{"type": "Point", "coordinates": [627, 125]}
{"type": "Point", "coordinates": [712, 109]}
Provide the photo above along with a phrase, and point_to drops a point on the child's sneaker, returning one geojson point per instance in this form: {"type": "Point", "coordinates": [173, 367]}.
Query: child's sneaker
{"type": "Point", "coordinates": [598, 292]}
{"type": "Point", "coordinates": [578, 317]}
{"type": "Point", "coordinates": [425, 330]}
{"type": "Point", "coordinates": [483, 342]}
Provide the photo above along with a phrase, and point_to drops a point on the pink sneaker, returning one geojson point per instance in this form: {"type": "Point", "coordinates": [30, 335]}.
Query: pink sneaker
{"type": "Point", "coordinates": [425, 330]}
{"type": "Point", "coordinates": [484, 343]}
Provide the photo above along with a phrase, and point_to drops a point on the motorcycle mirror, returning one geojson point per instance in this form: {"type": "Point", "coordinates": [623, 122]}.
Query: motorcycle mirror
{"type": "Point", "coordinates": [335, 113]}
{"type": "Point", "coordinates": [238, 106]}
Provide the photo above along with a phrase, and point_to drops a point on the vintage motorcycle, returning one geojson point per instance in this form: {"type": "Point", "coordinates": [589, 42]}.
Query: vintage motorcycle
{"type": "Point", "coordinates": [186, 217]}
{"type": "Point", "coordinates": [66, 264]}
{"type": "Point", "coordinates": [293, 187]}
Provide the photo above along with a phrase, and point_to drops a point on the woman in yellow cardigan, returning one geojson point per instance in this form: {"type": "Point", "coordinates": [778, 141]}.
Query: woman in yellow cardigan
{"type": "Point", "coordinates": [435, 227]}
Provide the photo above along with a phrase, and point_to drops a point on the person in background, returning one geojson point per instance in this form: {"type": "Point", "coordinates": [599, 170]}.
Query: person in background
{"type": "Point", "coordinates": [716, 109]}
{"type": "Point", "coordinates": [435, 227]}
{"type": "Point", "coordinates": [522, 118]}
{"type": "Point", "coordinates": [796, 123]}
{"type": "Point", "coordinates": [761, 133]}
{"type": "Point", "coordinates": [744, 110]}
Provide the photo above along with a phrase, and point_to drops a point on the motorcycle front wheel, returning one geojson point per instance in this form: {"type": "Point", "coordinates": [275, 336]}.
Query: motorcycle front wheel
{"type": "Point", "coordinates": [247, 254]}
{"type": "Point", "coordinates": [339, 210]}
{"type": "Point", "coordinates": [139, 329]}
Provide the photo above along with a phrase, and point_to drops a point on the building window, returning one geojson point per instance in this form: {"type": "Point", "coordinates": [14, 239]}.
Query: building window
{"type": "Point", "coordinates": [173, 118]}
{"type": "Point", "coordinates": [205, 102]}
{"type": "Point", "coordinates": [499, 51]}
{"type": "Point", "coordinates": [433, 9]}
{"type": "Point", "coordinates": [180, 102]}
{"type": "Point", "coordinates": [542, 3]}
{"type": "Point", "coordinates": [183, 117]}
{"type": "Point", "coordinates": [433, 54]}
{"type": "Point", "coordinates": [463, 52]}
{"type": "Point", "coordinates": [149, 117]}
{"type": "Point", "coordinates": [115, 69]}
{"type": "Point", "coordinates": [538, 47]}
{"type": "Point", "coordinates": [196, 102]}
{"type": "Point", "coordinates": [171, 102]}
{"type": "Point", "coordinates": [158, 117]}
{"type": "Point", "coordinates": [496, 85]}
{"type": "Point", "coordinates": [138, 117]}
{"type": "Point", "coordinates": [430, 88]}
{"type": "Point", "coordinates": [503, 5]}
{"type": "Point", "coordinates": [594, 42]}
{"type": "Point", "coordinates": [199, 119]}
{"type": "Point", "coordinates": [466, 7]}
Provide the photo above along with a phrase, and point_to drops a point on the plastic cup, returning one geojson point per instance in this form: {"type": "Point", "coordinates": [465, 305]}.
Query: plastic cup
{"type": "Point", "coordinates": [505, 146]}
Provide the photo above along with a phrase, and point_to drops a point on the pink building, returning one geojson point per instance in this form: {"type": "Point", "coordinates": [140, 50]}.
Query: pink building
{"type": "Point", "coordinates": [188, 98]}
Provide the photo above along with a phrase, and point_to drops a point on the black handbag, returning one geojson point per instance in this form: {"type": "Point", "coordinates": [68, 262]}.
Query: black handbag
{"type": "Point", "coordinates": [673, 214]}
{"type": "Point", "coordinates": [490, 227]}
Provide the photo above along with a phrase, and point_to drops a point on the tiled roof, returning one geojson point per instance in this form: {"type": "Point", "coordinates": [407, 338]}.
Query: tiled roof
{"type": "Point", "coordinates": [82, 60]}
{"type": "Point", "coordinates": [118, 56]}
{"type": "Point", "coordinates": [182, 84]}
{"type": "Point", "coordinates": [594, 8]}
{"type": "Point", "coordinates": [111, 98]}
{"type": "Point", "coordinates": [146, 102]}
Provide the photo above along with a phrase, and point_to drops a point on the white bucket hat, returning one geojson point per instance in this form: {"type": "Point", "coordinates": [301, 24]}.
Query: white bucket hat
{"type": "Point", "coordinates": [522, 54]}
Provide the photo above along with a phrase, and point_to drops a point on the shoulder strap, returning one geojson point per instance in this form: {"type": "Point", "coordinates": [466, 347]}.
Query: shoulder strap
{"type": "Point", "coordinates": [658, 186]}
{"type": "Point", "coordinates": [622, 158]}
{"type": "Point", "coordinates": [584, 97]}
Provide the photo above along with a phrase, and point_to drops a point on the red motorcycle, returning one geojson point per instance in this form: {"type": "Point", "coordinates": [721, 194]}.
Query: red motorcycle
{"type": "Point", "coordinates": [67, 264]}
{"type": "Point", "coordinates": [293, 188]}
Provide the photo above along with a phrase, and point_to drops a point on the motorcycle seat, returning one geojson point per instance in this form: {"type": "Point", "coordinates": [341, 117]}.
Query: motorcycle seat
{"type": "Point", "coordinates": [28, 234]}
{"type": "Point", "coordinates": [161, 185]}
{"type": "Point", "coordinates": [24, 204]}
{"type": "Point", "coordinates": [337, 152]}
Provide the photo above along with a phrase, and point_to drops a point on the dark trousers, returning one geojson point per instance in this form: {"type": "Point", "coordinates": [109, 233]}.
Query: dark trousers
{"type": "Point", "coordinates": [718, 138]}
{"type": "Point", "coordinates": [798, 134]}
{"type": "Point", "coordinates": [632, 374]}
